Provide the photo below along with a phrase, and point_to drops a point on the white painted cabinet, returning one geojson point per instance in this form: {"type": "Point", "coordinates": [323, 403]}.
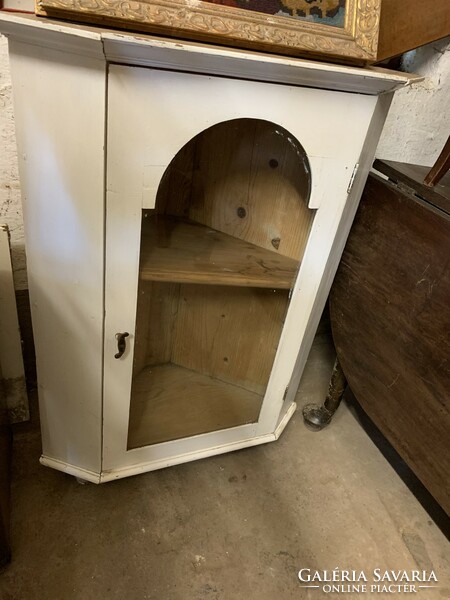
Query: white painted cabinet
{"type": "Point", "coordinates": [186, 208]}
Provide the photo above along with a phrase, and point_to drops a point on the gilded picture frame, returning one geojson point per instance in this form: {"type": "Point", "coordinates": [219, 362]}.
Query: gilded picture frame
{"type": "Point", "coordinates": [333, 29]}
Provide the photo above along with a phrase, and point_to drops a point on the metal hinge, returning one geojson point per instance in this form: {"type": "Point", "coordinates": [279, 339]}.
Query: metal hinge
{"type": "Point", "coordinates": [352, 178]}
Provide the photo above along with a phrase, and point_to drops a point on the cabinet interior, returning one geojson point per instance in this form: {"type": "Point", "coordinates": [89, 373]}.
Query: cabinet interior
{"type": "Point", "coordinates": [219, 254]}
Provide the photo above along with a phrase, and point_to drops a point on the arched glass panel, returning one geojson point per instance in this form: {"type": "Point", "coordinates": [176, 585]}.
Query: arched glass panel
{"type": "Point", "coordinates": [219, 254]}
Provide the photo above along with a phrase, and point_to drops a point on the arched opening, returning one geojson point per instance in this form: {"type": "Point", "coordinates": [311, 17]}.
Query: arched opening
{"type": "Point", "coordinates": [219, 253]}
{"type": "Point", "coordinates": [246, 177]}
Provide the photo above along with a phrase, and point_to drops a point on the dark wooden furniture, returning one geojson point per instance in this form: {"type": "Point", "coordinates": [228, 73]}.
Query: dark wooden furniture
{"type": "Point", "coordinates": [441, 166]}
{"type": "Point", "coordinates": [5, 456]}
{"type": "Point", "coordinates": [390, 316]}
{"type": "Point", "coordinates": [408, 24]}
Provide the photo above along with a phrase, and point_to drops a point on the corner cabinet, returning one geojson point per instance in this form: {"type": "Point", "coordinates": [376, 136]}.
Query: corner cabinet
{"type": "Point", "coordinates": [185, 209]}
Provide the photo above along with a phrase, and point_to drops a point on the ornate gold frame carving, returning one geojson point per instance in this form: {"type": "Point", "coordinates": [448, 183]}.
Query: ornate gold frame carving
{"type": "Point", "coordinates": [204, 21]}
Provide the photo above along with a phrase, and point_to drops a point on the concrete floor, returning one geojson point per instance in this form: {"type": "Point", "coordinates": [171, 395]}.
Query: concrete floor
{"type": "Point", "coordinates": [233, 527]}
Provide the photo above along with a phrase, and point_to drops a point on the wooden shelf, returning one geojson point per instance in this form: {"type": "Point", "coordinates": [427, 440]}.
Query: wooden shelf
{"type": "Point", "coordinates": [169, 402]}
{"type": "Point", "coordinates": [186, 252]}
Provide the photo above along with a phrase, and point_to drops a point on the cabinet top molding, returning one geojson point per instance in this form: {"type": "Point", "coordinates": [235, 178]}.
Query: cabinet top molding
{"type": "Point", "coordinates": [149, 51]}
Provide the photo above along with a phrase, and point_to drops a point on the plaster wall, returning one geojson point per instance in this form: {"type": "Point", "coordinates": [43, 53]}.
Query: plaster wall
{"type": "Point", "coordinates": [418, 123]}
{"type": "Point", "coordinates": [415, 132]}
{"type": "Point", "coordinates": [10, 207]}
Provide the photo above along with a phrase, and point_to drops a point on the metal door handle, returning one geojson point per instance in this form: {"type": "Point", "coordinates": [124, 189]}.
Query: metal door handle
{"type": "Point", "coordinates": [121, 343]}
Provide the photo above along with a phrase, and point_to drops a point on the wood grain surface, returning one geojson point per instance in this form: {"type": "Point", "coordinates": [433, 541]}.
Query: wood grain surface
{"type": "Point", "coordinates": [245, 177]}
{"type": "Point", "coordinates": [407, 25]}
{"type": "Point", "coordinates": [157, 309]}
{"type": "Point", "coordinates": [231, 334]}
{"type": "Point", "coordinates": [413, 176]}
{"type": "Point", "coordinates": [391, 327]}
{"type": "Point", "coordinates": [186, 252]}
{"type": "Point", "coordinates": [171, 402]}
{"type": "Point", "coordinates": [440, 167]}
{"type": "Point", "coordinates": [231, 218]}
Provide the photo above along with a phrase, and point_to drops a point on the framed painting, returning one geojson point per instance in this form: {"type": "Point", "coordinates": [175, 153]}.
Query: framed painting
{"type": "Point", "coordinates": [333, 29]}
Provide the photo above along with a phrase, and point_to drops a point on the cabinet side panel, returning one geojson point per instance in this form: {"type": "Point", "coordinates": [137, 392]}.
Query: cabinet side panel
{"type": "Point", "coordinates": [59, 101]}
{"type": "Point", "coordinates": [328, 237]}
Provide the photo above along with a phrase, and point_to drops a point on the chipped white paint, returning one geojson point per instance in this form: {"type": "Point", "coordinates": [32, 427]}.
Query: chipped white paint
{"type": "Point", "coordinates": [415, 131]}
{"type": "Point", "coordinates": [84, 392]}
{"type": "Point", "coordinates": [60, 136]}
{"type": "Point", "coordinates": [164, 96]}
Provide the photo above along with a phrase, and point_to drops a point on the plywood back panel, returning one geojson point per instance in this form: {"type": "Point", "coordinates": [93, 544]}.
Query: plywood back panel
{"type": "Point", "coordinates": [246, 177]}
{"type": "Point", "coordinates": [229, 333]}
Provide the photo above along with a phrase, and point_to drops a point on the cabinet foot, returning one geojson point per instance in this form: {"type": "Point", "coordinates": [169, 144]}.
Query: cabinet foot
{"type": "Point", "coordinates": [316, 416]}
{"type": "Point", "coordinates": [81, 481]}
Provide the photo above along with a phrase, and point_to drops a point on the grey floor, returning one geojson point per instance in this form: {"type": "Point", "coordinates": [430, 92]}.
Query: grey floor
{"type": "Point", "coordinates": [238, 526]}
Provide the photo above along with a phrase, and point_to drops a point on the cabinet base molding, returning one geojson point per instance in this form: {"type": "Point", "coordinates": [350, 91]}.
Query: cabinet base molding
{"type": "Point", "coordinates": [77, 472]}
{"type": "Point", "coordinates": [140, 468]}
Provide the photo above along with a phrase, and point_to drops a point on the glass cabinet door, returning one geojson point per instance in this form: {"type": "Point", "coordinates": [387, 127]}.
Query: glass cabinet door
{"type": "Point", "coordinates": [218, 256]}
{"type": "Point", "coordinates": [223, 202]}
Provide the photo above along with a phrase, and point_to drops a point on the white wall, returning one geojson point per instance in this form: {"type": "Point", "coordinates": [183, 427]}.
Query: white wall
{"type": "Point", "coordinates": [10, 208]}
{"type": "Point", "coordinates": [418, 123]}
{"type": "Point", "coordinates": [415, 132]}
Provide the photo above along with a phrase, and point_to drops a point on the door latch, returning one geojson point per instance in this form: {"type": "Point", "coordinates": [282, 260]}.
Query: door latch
{"type": "Point", "coordinates": [121, 343]}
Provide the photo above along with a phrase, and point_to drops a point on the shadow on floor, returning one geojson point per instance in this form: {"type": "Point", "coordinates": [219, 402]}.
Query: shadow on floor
{"type": "Point", "coordinates": [414, 484]}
